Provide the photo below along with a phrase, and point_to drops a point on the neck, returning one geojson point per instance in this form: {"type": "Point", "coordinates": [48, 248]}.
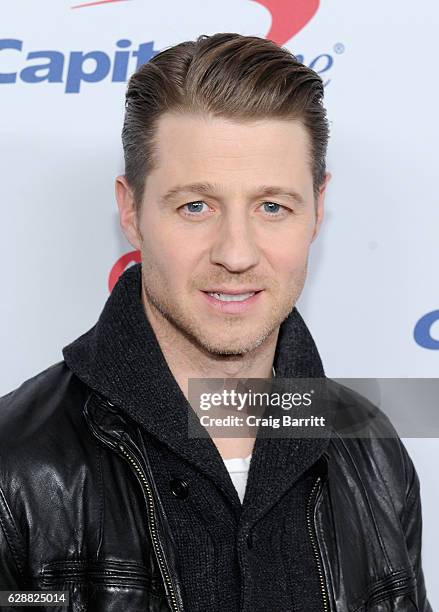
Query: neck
{"type": "Point", "coordinates": [186, 359]}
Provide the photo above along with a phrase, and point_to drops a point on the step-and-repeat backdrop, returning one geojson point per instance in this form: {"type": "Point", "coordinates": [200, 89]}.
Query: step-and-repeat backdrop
{"type": "Point", "coordinates": [372, 298]}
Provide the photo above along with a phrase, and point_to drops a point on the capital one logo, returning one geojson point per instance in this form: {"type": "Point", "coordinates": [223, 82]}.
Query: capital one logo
{"type": "Point", "coordinates": [78, 67]}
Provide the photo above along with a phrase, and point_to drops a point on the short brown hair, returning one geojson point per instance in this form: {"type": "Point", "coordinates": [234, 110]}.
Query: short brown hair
{"type": "Point", "coordinates": [226, 75]}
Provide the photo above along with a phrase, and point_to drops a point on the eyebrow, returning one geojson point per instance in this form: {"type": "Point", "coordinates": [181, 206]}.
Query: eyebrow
{"type": "Point", "coordinates": [209, 189]}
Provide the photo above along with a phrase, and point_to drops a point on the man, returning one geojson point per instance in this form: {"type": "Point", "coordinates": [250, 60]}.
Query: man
{"type": "Point", "coordinates": [103, 492]}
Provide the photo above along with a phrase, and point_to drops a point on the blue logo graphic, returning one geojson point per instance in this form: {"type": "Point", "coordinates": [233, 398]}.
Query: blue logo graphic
{"type": "Point", "coordinates": [56, 67]}
{"type": "Point", "coordinates": [422, 331]}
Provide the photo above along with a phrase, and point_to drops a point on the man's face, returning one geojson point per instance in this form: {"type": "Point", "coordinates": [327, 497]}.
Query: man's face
{"type": "Point", "coordinates": [225, 227]}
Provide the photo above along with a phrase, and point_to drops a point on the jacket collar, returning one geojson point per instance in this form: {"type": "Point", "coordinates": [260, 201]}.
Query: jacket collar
{"type": "Point", "coordinates": [120, 358]}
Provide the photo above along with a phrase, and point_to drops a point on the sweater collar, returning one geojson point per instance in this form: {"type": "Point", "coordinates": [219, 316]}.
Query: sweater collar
{"type": "Point", "coordinates": [121, 359]}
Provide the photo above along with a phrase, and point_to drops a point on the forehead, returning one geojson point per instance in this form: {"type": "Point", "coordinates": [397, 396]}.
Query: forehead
{"type": "Point", "coordinates": [202, 143]}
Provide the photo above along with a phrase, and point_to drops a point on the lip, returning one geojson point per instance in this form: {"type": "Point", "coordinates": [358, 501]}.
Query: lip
{"type": "Point", "coordinates": [239, 291]}
{"type": "Point", "coordinates": [233, 307]}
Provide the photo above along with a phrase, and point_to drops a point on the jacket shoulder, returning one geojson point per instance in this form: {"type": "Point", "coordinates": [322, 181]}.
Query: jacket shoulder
{"type": "Point", "coordinates": [39, 410]}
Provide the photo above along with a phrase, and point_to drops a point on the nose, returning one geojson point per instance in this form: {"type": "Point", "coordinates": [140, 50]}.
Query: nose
{"type": "Point", "coordinates": [234, 246]}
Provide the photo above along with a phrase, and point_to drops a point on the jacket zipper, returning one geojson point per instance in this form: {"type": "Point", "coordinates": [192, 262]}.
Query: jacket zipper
{"type": "Point", "coordinates": [155, 538]}
{"type": "Point", "coordinates": [170, 592]}
{"type": "Point", "coordinates": [316, 550]}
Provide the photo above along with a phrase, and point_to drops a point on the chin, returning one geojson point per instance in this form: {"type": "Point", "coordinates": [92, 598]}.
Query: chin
{"type": "Point", "coordinates": [233, 345]}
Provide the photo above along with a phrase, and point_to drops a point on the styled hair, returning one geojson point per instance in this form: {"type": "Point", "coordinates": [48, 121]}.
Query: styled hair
{"type": "Point", "coordinates": [226, 75]}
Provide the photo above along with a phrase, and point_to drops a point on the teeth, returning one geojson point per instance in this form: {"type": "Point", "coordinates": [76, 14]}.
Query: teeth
{"type": "Point", "coordinates": [227, 297]}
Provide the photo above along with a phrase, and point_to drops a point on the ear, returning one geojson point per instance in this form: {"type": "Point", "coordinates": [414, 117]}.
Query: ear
{"type": "Point", "coordinates": [127, 212]}
{"type": "Point", "coordinates": [320, 205]}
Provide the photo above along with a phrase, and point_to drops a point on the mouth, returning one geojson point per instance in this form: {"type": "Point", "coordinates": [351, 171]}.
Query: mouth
{"type": "Point", "coordinates": [231, 301]}
{"type": "Point", "coordinates": [231, 297]}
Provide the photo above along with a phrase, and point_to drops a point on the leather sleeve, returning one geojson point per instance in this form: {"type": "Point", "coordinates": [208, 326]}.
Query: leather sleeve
{"type": "Point", "coordinates": [10, 564]}
{"type": "Point", "coordinates": [412, 525]}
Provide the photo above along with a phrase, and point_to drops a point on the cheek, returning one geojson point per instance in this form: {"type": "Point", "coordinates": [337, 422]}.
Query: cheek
{"type": "Point", "coordinates": [169, 255]}
{"type": "Point", "coordinates": [288, 254]}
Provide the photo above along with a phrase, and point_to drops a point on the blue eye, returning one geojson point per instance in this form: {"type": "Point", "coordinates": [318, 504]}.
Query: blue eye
{"type": "Point", "coordinates": [194, 207]}
{"type": "Point", "coordinates": [271, 207]}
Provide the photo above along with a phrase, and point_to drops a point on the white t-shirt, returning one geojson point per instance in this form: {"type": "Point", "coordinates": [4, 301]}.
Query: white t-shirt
{"type": "Point", "coordinates": [238, 470]}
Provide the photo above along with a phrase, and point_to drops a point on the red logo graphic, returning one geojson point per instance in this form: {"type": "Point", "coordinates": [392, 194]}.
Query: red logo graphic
{"type": "Point", "coordinates": [121, 264]}
{"type": "Point", "coordinates": [288, 17]}
{"type": "Point", "coordinates": [95, 3]}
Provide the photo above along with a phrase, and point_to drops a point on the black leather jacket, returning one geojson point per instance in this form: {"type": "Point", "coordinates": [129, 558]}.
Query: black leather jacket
{"type": "Point", "coordinates": [66, 454]}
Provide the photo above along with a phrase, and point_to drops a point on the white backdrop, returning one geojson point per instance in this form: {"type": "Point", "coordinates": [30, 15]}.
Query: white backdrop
{"type": "Point", "coordinates": [372, 274]}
